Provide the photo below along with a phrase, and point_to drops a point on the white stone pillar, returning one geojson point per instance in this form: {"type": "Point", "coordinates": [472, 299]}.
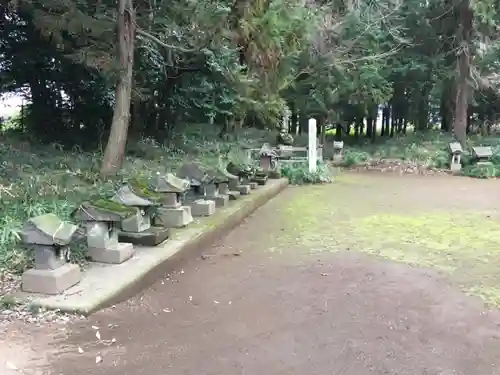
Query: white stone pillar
{"type": "Point", "coordinates": [312, 155]}
{"type": "Point", "coordinates": [286, 119]}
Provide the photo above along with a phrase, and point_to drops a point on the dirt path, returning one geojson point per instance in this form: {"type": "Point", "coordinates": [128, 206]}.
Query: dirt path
{"type": "Point", "coordinates": [304, 286]}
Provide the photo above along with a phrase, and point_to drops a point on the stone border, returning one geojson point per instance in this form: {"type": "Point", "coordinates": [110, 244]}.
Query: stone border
{"type": "Point", "coordinates": [103, 285]}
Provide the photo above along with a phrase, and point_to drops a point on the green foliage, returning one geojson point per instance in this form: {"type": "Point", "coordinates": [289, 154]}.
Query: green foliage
{"type": "Point", "coordinates": [481, 171]}
{"type": "Point", "coordinates": [298, 173]}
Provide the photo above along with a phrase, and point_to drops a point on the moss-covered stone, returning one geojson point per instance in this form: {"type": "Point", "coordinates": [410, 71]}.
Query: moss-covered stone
{"type": "Point", "coordinates": [141, 188]}
{"type": "Point", "coordinates": [108, 205]}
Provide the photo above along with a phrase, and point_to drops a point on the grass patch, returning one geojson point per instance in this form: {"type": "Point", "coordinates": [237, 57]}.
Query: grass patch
{"type": "Point", "coordinates": [381, 216]}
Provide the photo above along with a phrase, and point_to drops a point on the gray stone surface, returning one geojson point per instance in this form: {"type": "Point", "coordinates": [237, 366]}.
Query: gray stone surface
{"type": "Point", "coordinates": [253, 185]}
{"type": "Point", "coordinates": [243, 189]}
{"type": "Point", "coordinates": [220, 199]}
{"type": "Point", "coordinates": [140, 222]}
{"type": "Point", "coordinates": [174, 217]}
{"type": "Point", "coordinates": [53, 281]}
{"type": "Point", "coordinates": [202, 207]}
{"type": "Point", "coordinates": [49, 257]}
{"type": "Point", "coordinates": [101, 235]}
{"type": "Point", "coordinates": [455, 167]}
{"type": "Point", "coordinates": [47, 229]}
{"type": "Point", "coordinates": [113, 254]}
{"type": "Point", "coordinates": [151, 237]}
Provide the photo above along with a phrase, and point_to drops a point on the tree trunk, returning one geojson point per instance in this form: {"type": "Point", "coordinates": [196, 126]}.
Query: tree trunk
{"type": "Point", "coordinates": [117, 141]}
{"type": "Point", "coordinates": [463, 72]}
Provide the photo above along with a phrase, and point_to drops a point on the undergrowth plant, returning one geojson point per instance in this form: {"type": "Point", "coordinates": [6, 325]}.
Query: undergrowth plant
{"type": "Point", "coordinates": [298, 173]}
{"type": "Point", "coordinates": [36, 179]}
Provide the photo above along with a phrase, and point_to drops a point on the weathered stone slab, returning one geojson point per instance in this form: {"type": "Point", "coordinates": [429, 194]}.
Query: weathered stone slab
{"type": "Point", "coordinates": [54, 281]}
{"type": "Point", "coordinates": [482, 154]}
{"type": "Point", "coordinates": [150, 237]}
{"type": "Point", "coordinates": [173, 217]}
{"type": "Point", "coordinates": [112, 254]}
{"type": "Point", "coordinates": [202, 207]}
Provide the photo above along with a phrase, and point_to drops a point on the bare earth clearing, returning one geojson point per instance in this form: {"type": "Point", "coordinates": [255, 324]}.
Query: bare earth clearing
{"type": "Point", "coordinates": [369, 275]}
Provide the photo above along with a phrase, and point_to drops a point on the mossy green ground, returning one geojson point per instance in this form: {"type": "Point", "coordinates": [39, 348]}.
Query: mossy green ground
{"type": "Point", "coordinates": [445, 223]}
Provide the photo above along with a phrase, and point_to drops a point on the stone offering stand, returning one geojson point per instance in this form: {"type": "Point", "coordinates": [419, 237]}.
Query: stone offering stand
{"type": "Point", "coordinates": [140, 217]}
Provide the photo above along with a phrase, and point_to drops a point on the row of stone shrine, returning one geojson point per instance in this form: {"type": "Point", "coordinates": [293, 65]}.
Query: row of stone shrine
{"type": "Point", "coordinates": [138, 214]}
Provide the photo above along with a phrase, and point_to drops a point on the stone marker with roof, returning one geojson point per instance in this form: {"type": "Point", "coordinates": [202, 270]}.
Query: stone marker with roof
{"type": "Point", "coordinates": [49, 237]}
{"type": "Point", "coordinates": [213, 190]}
{"type": "Point", "coordinates": [456, 153]}
{"type": "Point", "coordinates": [338, 149]}
{"type": "Point", "coordinates": [482, 154]}
{"type": "Point", "coordinates": [137, 229]}
{"type": "Point", "coordinates": [199, 180]}
{"type": "Point", "coordinates": [172, 213]}
{"type": "Point", "coordinates": [101, 220]}
{"type": "Point", "coordinates": [244, 173]}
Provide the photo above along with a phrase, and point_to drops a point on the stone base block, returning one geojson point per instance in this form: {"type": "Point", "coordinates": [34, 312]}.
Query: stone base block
{"type": "Point", "coordinates": [51, 281]}
{"type": "Point", "coordinates": [337, 158]}
{"type": "Point", "coordinates": [202, 207]}
{"type": "Point", "coordinates": [260, 180]}
{"type": "Point", "coordinates": [174, 217]}
{"type": "Point", "coordinates": [456, 167]}
{"type": "Point", "coordinates": [117, 254]}
{"type": "Point", "coordinates": [233, 195]}
{"type": "Point", "coordinates": [253, 185]}
{"type": "Point", "coordinates": [220, 200]}
{"type": "Point", "coordinates": [243, 189]}
{"type": "Point", "coordinates": [151, 237]}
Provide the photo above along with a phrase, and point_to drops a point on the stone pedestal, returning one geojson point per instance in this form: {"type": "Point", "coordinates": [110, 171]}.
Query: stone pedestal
{"type": "Point", "coordinates": [253, 185]}
{"type": "Point", "coordinates": [48, 281]}
{"type": "Point", "coordinates": [455, 167]}
{"type": "Point", "coordinates": [170, 217]}
{"type": "Point", "coordinates": [213, 193]}
{"type": "Point", "coordinates": [202, 207]}
{"type": "Point", "coordinates": [243, 189]}
{"type": "Point", "coordinates": [220, 199]}
{"type": "Point", "coordinates": [337, 158]}
{"type": "Point", "coordinates": [114, 254]}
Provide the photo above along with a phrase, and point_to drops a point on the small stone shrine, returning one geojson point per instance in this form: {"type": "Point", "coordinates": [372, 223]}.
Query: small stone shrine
{"type": "Point", "coordinates": [102, 219]}
{"type": "Point", "coordinates": [338, 148]}
{"type": "Point", "coordinates": [244, 174]}
{"type": "Point", "coordinates": [224, 187]}
{"type": "Point", "coordinates": [456, 154]}
{"type": "Point", "coordinates": [213, 190]}
{"type": "Point", "coordinates": [199, 180]}
{"type": "Point", "coordinates": [49, 237]}
{"type": "Point", "coordinates": [482, 155]}
{"type": "Point", "coordinates": [267, 157]}
{"type": "Point", "coordinates": [173, 214]}
{"type": "Point", "coordinates": [137, 229]}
